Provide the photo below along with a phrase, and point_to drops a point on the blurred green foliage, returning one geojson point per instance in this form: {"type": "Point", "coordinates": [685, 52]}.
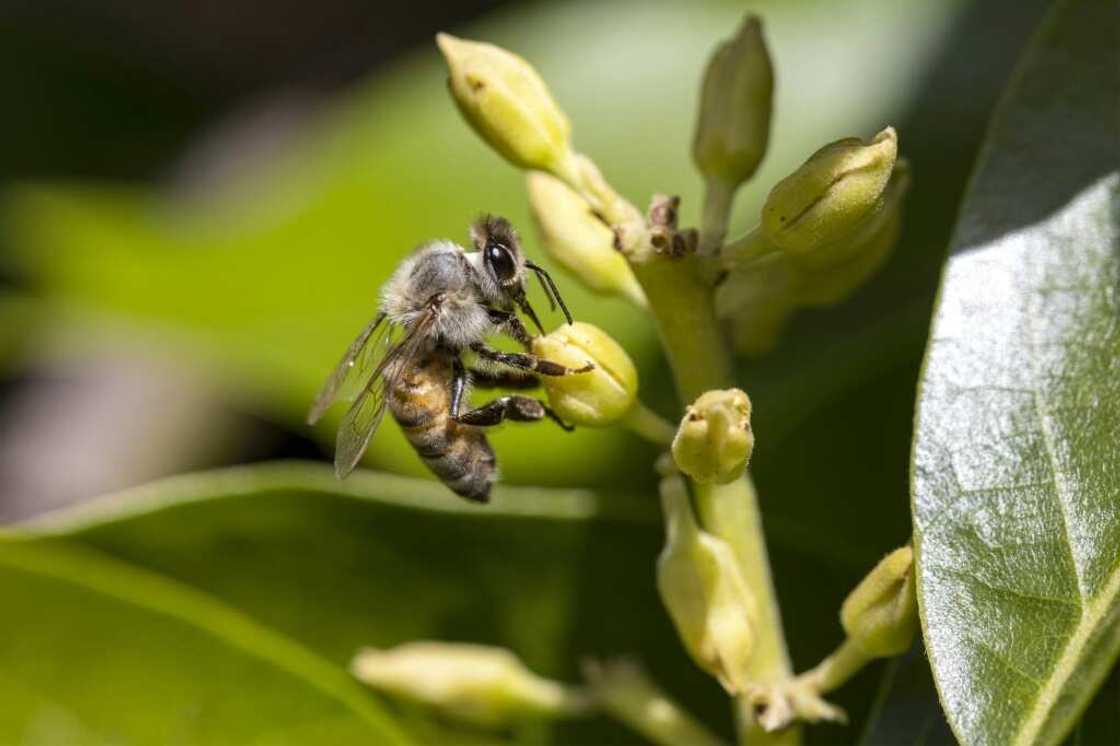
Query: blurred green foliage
{"type": "Point", "coordinates": [149, 662]}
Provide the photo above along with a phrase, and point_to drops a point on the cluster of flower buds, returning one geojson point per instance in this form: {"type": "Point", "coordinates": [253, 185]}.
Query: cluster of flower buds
{"type": "Point", "coordinates": [508, 104]}
{"type": "Point", "coordinates": [475, 684]}
{"type": "Point", "coordinates": [715, 440]}
{"type": "Point", "coordinates": [599, 397]}
{"type": "Point", "coordinates": [828, 227]}
{"type": "Point", "coordinates": [705, 593]}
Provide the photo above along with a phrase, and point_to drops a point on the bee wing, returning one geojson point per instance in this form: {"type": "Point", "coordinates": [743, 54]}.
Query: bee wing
{"type": "Point", "coordinates": [358, 359]}
{"type": "Point", "coordinates": [361, 420]}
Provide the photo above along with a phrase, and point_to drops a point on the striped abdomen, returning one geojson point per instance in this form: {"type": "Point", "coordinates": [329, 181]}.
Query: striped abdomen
{"type": "Point", "coordinates": [458, 454]}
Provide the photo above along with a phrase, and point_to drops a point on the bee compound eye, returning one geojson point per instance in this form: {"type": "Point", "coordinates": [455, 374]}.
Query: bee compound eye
{"type": "Point", "coordinates": [501, 261]}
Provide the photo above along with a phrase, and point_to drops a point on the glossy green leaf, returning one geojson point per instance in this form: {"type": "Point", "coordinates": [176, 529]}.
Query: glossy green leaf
{"type": "Point", "coordinates": [93, 651]}
{"type": "Point", "coordinates": [1016, 488]}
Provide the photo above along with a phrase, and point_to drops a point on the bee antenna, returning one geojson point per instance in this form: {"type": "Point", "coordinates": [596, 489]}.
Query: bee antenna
{"type": "Point", "coordinates": [552, 291]}
{"type": "Point", "coordinates": [547, 292]}
{"type": "Point", "coordinates": [523, 302]}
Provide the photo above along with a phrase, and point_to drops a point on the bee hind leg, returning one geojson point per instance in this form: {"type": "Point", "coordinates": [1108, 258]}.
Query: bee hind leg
{"type": "Point", "coordinates": [512, 407]}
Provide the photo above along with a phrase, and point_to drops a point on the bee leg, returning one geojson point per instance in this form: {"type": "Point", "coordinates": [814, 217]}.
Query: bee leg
{"type": "Point", "coordinates": [514, 408]}
{"type": "Point", "coordinates": [503, 379]}
{"type": "Point", "coordinates": [509, 324]}
{"type": "Point", "coordinates": [459, 382]}
{"type": "Point", "coordinates": [526, 361]}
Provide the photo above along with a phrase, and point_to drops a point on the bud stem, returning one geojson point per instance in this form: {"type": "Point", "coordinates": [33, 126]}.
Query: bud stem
{"type": "Point", "coordinates": [718, 197]}
{"type": "Point", "coordinates": [844, 663]}
{"type": "Point", "coordinates": [747, 249]}
{"type": "Point", "coordinates": [646, 423]}
{"type": "Point", "coordinates": [624, 691]}
{"type": "Point", "coordinates": [682, 307]}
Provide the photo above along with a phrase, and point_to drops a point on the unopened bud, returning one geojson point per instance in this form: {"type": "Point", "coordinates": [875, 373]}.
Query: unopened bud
{"type": "Point", "coordinates": [476, 684]}
{"type": "Point", "coordinates": [598, 397]}
{"type": "Point", "coordinates": [715, 440]}
{"type": "Point", "coordinates": [579, 240]}
{"type": "Point", "coordinates": [813, 213]}
{"type": "Point", "coordinates": [867, 250]}
{"type": "Point", "coordinates": [705, 593]}
{"type": "Point", "coordinates": [881, 614]}
{"type": "Point", "coordinates": [735, 103]}
{"type": "Point", "coordinates": [504, 99]}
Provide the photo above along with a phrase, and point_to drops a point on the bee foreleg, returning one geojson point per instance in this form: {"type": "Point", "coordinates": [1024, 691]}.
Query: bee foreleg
{"type": "Point", "coordinates": [526, 361]}
{"type": "Point", "coordinates": [512, 407]}
{"type": "Point", "coordinates": [509, 324]}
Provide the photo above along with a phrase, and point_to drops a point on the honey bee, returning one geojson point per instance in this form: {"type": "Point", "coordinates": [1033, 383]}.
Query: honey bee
{"type": "Point", "coordinates": [440, 304]}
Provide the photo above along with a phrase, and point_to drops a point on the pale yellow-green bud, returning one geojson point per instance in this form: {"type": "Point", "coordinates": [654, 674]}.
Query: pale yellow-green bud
{"type": "Point", "coordinates": [579, 240]}
{"type": "Point", "coordinates": [733, 125]}
{"type": "Point", "coordinates": [596, 398]}
{"type": "Point", "coordinates": [705, 593]}
{"type": "Point", "coordinates": [714, 440]}
{"type": "Point", "coordinates": [868, 249]}
{"type": "Point", "coordinates": [508, 105]}
{"type": "Point", "coordinates": [476, 684]}
{"type": "Point", "coordinates": [813, 214]}
{"type": "Point", "coordinates": [881, 614]}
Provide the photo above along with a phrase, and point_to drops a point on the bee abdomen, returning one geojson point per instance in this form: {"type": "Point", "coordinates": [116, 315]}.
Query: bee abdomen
{"type": "Point", "coordinates": [461, 457]}
{"type": "Point", "coordinates": [464, 462]}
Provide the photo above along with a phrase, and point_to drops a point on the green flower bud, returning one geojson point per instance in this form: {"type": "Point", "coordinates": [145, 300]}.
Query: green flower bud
{"type": "Point", "coordinates": [881, 614]}
{"type": "Point", "coordinates": [599, 397]}
{"type": "Point", "coordinates": [579, 240]}
{"type": "Point", "coordinates": [735, 103]}
{"type": "Point", "coordinates": [868, 248]}
{"type": "Point", "coordinates": [504, 99]}
{"type": "Point", "coordinates": [714, 440]}
{"type": "Point", "coordinates": [705, 593]}
{"type": "Point", "coordinates": [476, 684]}
{"type": "Point", "coordinates": [813, 214]}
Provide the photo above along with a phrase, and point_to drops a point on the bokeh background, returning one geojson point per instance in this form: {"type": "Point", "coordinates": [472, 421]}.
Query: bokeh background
{"type": "Point", "coordinates": [199, 201]}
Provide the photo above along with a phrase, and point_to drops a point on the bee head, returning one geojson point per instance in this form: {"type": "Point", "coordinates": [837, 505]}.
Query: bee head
{"type": "Point", "coordinates": [500, 247]}
{"type": "Point", "coordinates": [504, 267]}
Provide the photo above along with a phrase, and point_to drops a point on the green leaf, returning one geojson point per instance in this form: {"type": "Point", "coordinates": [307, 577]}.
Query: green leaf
{"type": "Point", "coordinates": [93, 651]}
{"type": "Point", "coordinates": [555, 575]}
{"type": "Point", "coordinates": [1016, 493]}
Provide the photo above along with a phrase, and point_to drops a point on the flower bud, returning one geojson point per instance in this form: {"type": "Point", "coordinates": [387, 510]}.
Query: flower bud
{"type": "Point", "coordinates": [881, 614]}
{"type": "Point", "coordinates": [735, 102]}
{"type": "Point", "coordinates": [578, 239]}
{"type": "Point", "coordinates": [704, 592]}
{"type": "Point", "coordinates": [476, 684]}
{"type": "Point", "coordinates": [598, 397]}
{"type": "Point", "coordinates": [813, 213]}
{"type": "Point", "coordinates": [714, 440]}
{"type": "Point", "coordinates": [504, 99]}
{"type": "Point", "coordinates": [868, 249]}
